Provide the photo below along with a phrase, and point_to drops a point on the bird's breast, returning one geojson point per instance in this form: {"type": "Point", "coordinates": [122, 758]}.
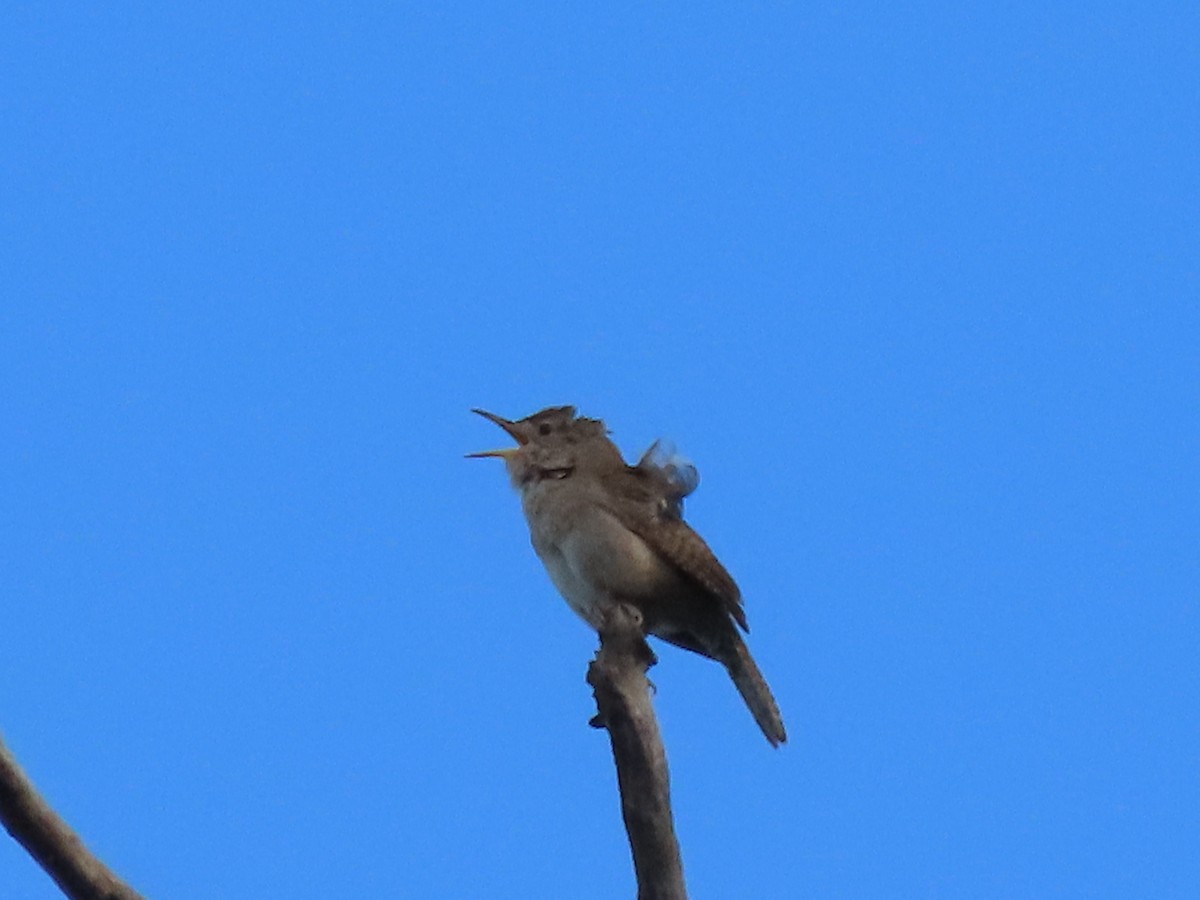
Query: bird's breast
{"type": "Point", "coordinates": [592, 558]}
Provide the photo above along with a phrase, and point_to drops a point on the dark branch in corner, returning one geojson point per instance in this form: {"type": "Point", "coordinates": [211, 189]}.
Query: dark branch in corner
{"type": "Point", "coordinates": [618, 678]}
{"type": "Point", "coordinates": [50, 840]}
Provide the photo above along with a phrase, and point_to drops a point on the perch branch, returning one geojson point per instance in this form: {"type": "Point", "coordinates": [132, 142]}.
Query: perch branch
{"type": "Point", "coordinates": [618, 678]}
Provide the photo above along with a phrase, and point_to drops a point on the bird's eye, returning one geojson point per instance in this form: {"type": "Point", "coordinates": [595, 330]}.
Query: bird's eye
{"type": "Point", "coordinates": [544, 429]}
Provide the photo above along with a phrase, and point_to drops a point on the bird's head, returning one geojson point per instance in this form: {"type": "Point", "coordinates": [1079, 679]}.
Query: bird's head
{"type": "Point", "coordinates": [551, 443]}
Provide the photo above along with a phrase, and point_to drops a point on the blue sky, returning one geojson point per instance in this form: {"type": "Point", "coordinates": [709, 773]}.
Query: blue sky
{"type": "Point", "coordinates": [916, 289]}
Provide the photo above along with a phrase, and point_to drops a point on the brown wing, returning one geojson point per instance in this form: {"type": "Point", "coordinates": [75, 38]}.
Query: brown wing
{"type": "Point", "coordinates": [637, 503]}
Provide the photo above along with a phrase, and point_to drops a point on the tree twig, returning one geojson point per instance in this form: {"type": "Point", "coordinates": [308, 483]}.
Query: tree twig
{"type": "Point", "coordinates": [50, 840]}
{"type": "Point", "coordinates": [618, 678]}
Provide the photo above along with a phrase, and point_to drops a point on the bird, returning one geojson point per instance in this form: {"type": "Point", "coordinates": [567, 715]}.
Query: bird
{"type": "Point", "coordinates": [608, 532]}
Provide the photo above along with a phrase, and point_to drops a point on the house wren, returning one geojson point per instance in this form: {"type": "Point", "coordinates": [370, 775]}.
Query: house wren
{"type": "Point", "coordinates": [608, 532]}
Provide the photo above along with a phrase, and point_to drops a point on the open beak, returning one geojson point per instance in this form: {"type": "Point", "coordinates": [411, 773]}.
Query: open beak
{"type": "Point", "coordinates": [513, 430]}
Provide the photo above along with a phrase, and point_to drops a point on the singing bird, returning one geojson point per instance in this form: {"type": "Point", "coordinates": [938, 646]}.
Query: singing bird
{"type": "Point", "coordinates": [608, 532]}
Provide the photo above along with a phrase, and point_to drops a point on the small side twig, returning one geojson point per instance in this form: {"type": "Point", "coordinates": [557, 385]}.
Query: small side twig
{"type": "Point", "coordinates": [618, 678]}
{"type": "Point", "coordinates": [50, 840]}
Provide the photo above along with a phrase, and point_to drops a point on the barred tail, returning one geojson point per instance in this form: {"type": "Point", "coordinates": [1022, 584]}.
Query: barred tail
{"type": "Point", "coordinates": [754, 690]}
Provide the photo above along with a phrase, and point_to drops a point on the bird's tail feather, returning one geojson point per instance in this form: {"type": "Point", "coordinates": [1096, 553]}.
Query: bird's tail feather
{"type": "Point", "coordinates": [754, 690]}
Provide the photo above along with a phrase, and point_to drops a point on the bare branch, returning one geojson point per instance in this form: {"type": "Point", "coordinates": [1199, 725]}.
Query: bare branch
{"type": "Point", "coordinates": [618, 678]}
{"type": "Point", "coordinates": [51, 842]}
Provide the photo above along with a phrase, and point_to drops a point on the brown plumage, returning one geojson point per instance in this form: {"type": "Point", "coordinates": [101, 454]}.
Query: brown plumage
{"type": "Point", "coordinates": [609, 532]}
